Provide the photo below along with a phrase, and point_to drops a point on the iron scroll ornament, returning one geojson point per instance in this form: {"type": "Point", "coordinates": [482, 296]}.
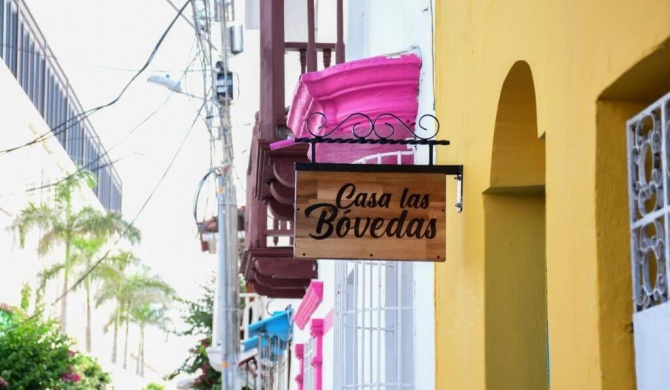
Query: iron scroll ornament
{"type": "Point", "coordinates": [373, 129]}
{"type": "Point", "coordinates": [373, 135]}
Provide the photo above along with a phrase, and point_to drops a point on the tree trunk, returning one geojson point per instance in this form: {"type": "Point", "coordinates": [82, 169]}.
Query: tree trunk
{"type": "Point", "coordinates": [125, 351]}
{"type": "Point", "coordinates": [139, 354]}
{"type": "Point", "coordinates": [117, 320]}
{"type": "Point", "coordinates": [142, 354]}
{"type": "Point", "coordinates": [66, 274]}
{"type": "Point", "coordinates": [88, 312]}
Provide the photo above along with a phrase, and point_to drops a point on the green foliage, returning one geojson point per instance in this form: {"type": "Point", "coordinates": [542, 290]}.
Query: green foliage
{"type": "Point", "coordinates": [25, 297]}
{"type": "Point", "coordinates": [198, 316]}
{"type": "Point", "coordinates": [84, 374]}
{"type": "Point", "coordinates": [36, 356]}
{"type": "Point", "coordinates": [154, 386]}
{"type": "Point", "coordinates": [61, 222]}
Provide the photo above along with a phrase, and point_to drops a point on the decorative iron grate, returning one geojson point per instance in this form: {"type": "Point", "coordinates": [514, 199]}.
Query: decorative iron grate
{"type": "Point", "coordinates": [648, 177]}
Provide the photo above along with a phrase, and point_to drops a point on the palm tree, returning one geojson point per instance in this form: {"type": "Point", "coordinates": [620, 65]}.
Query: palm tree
{"type": "Point", "coordinates": [113, 275]}
{"type": "Point", "coordinates": [83, 252]}
{"type": "Point", "coordinates": [129, 290]}
{"type": "Point", "coordinates": [61, 223]}
{"type": "Point", "coordinates": [143, 314]}
{"type": "Point", "coordinates": [139, 289]}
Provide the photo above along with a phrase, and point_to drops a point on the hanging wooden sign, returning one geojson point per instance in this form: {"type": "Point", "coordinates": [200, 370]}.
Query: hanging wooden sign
{"type": "Point", "coordinates": [371, 212]}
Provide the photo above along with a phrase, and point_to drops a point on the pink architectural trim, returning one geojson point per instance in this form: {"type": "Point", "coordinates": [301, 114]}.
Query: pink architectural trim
{"type": "Point", "coordinates": [282, 144]}
{"type": "Point", "coordinates": [300, 355]}
{"type": "Point", "coordinates": [373, 86]}
{"type": "Point", "coordinates": [317, 361]}
{"type": "Point", "coordinates": [309, 303]}
{"type": "Point", "coordinates": [328, 322]}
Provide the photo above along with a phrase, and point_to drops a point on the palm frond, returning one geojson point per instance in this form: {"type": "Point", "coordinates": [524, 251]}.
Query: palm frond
{"type": "Point", "coordinates": [50, 238]}
{"type": "Point", "coordinates": [49, 274]}
{"type": "Point", "coordinates": [65, 189]}
{"type": "Point", "coordinates": [89, 221]}
{"type": "Point", "coordinates": [103, 295]}
{"type": "Point", "coordinates": [41, 217]}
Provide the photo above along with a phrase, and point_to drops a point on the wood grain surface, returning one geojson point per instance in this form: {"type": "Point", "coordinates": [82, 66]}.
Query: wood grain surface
{"type": "Point", "coordinates": [370, 216]}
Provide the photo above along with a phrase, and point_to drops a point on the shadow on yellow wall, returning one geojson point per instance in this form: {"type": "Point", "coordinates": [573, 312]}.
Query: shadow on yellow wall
{"type": "Point", "coordinates": [515, 253]}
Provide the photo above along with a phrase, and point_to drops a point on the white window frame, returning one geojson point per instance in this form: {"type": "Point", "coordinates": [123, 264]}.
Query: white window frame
{"type": "Point", "coordinates": [374, 318]}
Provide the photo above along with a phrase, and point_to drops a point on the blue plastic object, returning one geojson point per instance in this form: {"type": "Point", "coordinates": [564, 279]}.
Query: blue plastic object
{"type": "Point", "coordinates": [278, 325]}
{"type": "Point", "coordinates": [250, 343]}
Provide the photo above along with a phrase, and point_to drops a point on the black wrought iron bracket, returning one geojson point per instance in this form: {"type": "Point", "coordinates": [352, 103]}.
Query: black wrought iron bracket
{"type": "Point", "coordinates": [380, 131]}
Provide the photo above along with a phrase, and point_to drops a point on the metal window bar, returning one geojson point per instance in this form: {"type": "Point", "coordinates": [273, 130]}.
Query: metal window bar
{"type": "Point", "coordinates": [647, 150]}
{"type": "Point", "coordinates": [374, 318]}
{"type": "Point", "coordinates": [272, 362]}
{"type": "Point", "coordinates": [309, 374]}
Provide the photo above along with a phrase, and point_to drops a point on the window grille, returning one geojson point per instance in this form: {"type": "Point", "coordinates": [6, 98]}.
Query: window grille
{"type": "Point", "coordinates": [272, 363]}
{"type": "Point", "coordinates": [648, 148]}
{"type": "Point", "coordinates": [374, 325]}
{"type": "Point", "coordinates": [309, 374]}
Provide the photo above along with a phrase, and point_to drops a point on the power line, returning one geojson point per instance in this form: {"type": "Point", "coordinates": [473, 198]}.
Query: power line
{"type": "Point", "coordinates": [190, 23]}
{"type": "Point", "coordinates": [87, 113]}
{"type": "Point", "coordinates": [99, 261]}
{"type": "Point", "coordinates": [139, 212]}
{"type": "Point", "coordinates": [89, 65]}
{"type": "Point", "coordinates": [103, 155]}
{"type": "Point", "coordinates": [183, 142]}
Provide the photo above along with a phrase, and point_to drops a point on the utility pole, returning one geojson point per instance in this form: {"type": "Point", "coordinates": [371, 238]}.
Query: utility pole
{"type": "Point", "coordinates": [217, 100]}
{"type": "Point", "coordinates": [228, 255]}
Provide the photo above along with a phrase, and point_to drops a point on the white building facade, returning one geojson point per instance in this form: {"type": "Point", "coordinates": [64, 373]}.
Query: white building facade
{"type": "Point", "coordinates": [44, 138]}
{"type": "Point", "coordinates": [374, 326]}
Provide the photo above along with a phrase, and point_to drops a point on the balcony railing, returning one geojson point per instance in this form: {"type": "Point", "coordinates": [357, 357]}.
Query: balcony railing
{"type": "Point", "coordinates": [253, 310]}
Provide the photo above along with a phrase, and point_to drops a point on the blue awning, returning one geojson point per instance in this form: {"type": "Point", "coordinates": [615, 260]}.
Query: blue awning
{"type": "Point", "coordinates": [278, 325]}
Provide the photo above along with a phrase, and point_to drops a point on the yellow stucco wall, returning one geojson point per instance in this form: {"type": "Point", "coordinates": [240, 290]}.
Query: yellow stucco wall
{"type": "Point", "coordinates": [593, 64]}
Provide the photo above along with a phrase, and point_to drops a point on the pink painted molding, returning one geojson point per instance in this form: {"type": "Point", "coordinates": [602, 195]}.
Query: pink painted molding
{"type": "Point", "coordinates": [316, 332]}
{"type": "Point", "coordinates": [328, 322]}
{"type": "Point", "coordinates": [282, 144]}
{"type": "Point", "coordinates": [373, 86]}
{"type": "Point", "coordinates": [309, 303]}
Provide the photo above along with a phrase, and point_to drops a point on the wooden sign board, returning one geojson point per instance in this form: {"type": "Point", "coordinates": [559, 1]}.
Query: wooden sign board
{"type": "Point", "coordinates": [370, 215]}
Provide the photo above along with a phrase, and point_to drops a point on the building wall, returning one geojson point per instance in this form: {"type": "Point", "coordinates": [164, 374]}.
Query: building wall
{"type": "Point", "coordinates": [534, 98]}
{"type": "Point", "coordinates": [26, 169]}
{"type": "Point", "coordinates": [27, 55]}
{"type": "Point", "coordinates": [368, 33]}
{"type": "Point", "coordinates": [30, 168]}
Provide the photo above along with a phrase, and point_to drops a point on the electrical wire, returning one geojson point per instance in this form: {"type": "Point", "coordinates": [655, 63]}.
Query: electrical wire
{"type": "Point", "coordinates": [99, 261]}
{"type": "Point", "coordinates": [190, 23]}
{"type": "Point", "coordinates": [90, 65]}
{"type": "Point", "coordinates": [174, 158]}
{"type": "Point", "coordinates": [103, 155]}
{"type": "Point", "coordinates": [205, 45]}
{"type": "Point", "coordinates": [139, 212]}
{"type": "Point", "coordinates": [54, 132]}
{"type": "Point", "coordinates": [197, 193]}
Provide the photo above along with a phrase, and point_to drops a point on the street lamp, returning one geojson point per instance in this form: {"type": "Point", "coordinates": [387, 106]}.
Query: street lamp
{"type": "Point", "coordinates": [223, 352]}
{"type": "Point", "coordinates": [172, 85]}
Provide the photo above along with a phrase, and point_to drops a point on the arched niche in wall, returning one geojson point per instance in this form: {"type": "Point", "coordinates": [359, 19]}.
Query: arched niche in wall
{"type": "Point", "coordinates": [515, 270]}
